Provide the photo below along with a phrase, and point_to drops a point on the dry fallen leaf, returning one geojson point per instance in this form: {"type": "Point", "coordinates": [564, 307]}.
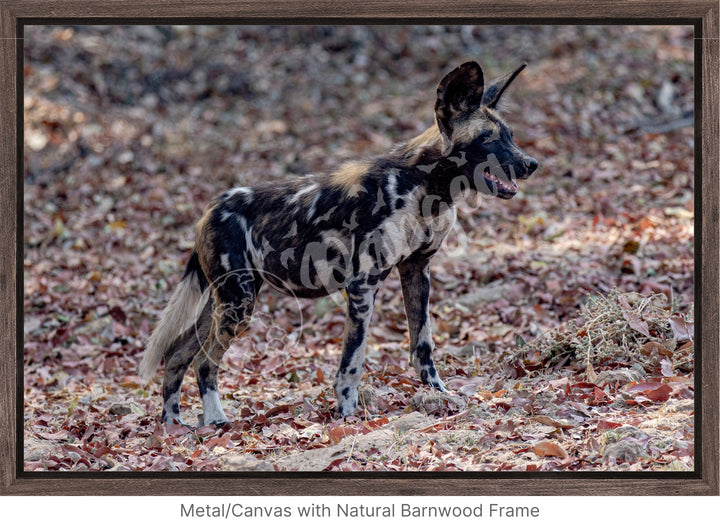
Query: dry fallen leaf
{"type": "Point", "coordinates": [548, 448]}
{"type": "Point", "coordinates": [683, 330]}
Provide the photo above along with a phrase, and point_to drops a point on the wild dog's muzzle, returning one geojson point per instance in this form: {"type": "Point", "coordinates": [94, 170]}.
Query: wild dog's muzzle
{"type": "Point", "coordinates": [494, 180]}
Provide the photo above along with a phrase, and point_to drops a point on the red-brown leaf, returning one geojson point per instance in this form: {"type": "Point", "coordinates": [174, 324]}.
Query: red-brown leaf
{"type": "Point", "coordinates": [548, 448]}
{"type": "Point", "coordinates": [636, 323]}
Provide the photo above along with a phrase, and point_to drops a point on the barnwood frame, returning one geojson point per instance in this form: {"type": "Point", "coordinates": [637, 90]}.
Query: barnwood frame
{"type": "Point", "coordinates": [701, 14]}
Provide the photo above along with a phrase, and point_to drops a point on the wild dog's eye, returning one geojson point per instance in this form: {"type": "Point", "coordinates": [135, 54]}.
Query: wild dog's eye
{"type": "Point", "coordinates": [490, 136]}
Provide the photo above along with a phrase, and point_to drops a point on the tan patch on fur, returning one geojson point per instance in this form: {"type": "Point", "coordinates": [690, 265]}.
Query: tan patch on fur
{"type": "Point", "coordinates": [204, 236]}
{"type": "Point", "coordinates": [349, 174]}
{"type": "Point", "coordinates": [427, 139]}
{"type": "Point", "coordinates": [430, 138]}
{"type": "Point", "coordinates": [467, 130]}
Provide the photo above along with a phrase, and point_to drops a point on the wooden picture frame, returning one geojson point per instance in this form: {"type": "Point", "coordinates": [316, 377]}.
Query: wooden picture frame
{"type": "Point", "coordinates": [701, 14]}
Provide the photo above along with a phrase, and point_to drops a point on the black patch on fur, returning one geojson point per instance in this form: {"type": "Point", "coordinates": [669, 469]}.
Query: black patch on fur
{"type": "Point", "coordinates": [204, 381]}
{"type": "Point", "coordinates": [193, 266]}
{"type": "Point", "coordinates": [424, 353]}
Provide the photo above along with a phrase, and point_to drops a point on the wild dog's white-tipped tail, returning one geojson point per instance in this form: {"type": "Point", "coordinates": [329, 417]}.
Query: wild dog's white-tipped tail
{"type": "Point", "coordinates": [182, 311]}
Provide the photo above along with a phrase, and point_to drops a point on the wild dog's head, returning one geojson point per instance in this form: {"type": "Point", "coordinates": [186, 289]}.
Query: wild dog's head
{"type": "Point", "coordinates": [473, 134]}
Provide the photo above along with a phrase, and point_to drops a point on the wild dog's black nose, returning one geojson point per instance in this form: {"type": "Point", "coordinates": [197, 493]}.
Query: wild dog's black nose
{"type": "Point", "coordinates": [531, 165]}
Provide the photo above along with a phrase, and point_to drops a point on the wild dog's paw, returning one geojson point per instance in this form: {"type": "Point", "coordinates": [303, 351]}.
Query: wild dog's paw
{"type": "Point", "coordinates": [438, 385]}
{"type": "Point", "coordinates": [347, 401]}
{"type": "Point", "coordinates": [175, 420]}
{"type": "Point", "coordinates": [429, 375]}
{"type": "Point", "coordinates": [217, 422]}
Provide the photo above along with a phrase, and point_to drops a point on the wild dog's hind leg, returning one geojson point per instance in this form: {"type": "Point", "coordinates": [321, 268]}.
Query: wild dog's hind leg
{"type": "Point", "coordinates": [361, 298]}
{"type": "Point", "coordinates": [234, 300]}
{"type": "Point", "coordinates": [415, 281]}
{"type": "Point", "coordinates": [177, 360]}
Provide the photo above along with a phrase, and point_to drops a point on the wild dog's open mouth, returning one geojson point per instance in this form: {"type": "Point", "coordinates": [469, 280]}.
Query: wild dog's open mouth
{"type": "Point", "coordinates": [501, 188]}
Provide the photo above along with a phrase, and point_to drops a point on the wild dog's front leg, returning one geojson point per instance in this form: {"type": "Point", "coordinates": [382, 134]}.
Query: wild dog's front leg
{"type": "Point", "coordinates": [415, 281]}
{"type": "Point", "coordinates": [360, 306]}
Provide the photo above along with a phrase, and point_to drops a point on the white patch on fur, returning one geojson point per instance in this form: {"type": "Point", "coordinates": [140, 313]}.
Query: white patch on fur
{"type": "Point", "coordinates": [242, 222]}
{"type": "Point", "coordinates": [246, 191]}
{"type": "Point", "coordinates": [255, 254]}
{"type": "Point", "coordinates": [225, 261]}
{"type": "Point", "coordinates": [366, 262]}
{"type": "Point", "coordinates": [425, 334]}
{"type": "Point", "coordinates": [300, 193]}
{"type": "Point", "coordinates": [311, 209]}
{"type": "Point", "coordinates": [225, 215]}
{"type": "Point", "coordinates": [212, 408]}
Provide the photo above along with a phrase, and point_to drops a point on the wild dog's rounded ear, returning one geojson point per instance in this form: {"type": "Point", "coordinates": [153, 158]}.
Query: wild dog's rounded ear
{"type": "Point", "coordinates": [497, 87]}
{"type": "Point", "coordinates": [459, 92]}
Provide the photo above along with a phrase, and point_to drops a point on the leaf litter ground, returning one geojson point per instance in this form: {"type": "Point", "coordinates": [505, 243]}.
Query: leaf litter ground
{"type": "Point", "coordinates": [563, 318]}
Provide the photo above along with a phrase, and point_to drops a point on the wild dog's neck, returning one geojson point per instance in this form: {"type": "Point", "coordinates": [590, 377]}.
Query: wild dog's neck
{"type": "Point", "coordinates": [424, 149]}
{"type": "Point", "coordinates": [423, 155]}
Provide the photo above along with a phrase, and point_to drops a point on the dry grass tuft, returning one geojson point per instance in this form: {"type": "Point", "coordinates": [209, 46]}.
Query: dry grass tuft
{"type": "Point", "coordinates": [615, 329]}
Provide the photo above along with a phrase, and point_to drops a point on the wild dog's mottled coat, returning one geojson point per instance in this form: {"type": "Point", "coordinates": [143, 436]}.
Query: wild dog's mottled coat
{"type": "Point", "coordinates": [344, 230]}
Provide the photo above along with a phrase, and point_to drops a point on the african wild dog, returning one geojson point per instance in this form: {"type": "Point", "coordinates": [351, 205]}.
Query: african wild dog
{"type": "Point", "coordinates": [345, 230]}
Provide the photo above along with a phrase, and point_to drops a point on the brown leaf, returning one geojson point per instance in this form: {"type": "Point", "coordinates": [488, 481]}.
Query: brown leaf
{"type": "Point", "coordinates": [118, 314]}
{"type": "Point", "coordinates": [338, 433]}
{"type": "Point", "coordinates": [548, 448]}
{"type": "Point", "coordinates": [659, 394]}
{"type": "Point", "coordinates": [220, 441]}
{"type": "Point", "coordinates": [655, 348]}
{"type": "Point", "coordinates": [666, 367]}
{"type": "Point", "coordinates": [375, 423]}
{"type": "Point", "coordinates": [174, 429]}
{"type": "Point", "coordinates": [550, 422]}
{"type": "Point", "coordinates": [605, 424]}
{"type": "Point", "coordinates": [590, 372]}
{"type": "Point", "coordinates": [655, 391]}
{"type": "Point", "coordinates": [682, 329]}
{"type": "Point", "coordinates": [631, 246]}
{"type": "Point", "coordinates": [636, 323]}
{"type": "Point", "coordinates": [623, 302]}
{"type": "Point", "coordinates": [59, 435]}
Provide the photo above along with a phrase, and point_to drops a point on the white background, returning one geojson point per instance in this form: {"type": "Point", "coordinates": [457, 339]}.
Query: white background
{"type": "Point", "coordinates": [131, 514]}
